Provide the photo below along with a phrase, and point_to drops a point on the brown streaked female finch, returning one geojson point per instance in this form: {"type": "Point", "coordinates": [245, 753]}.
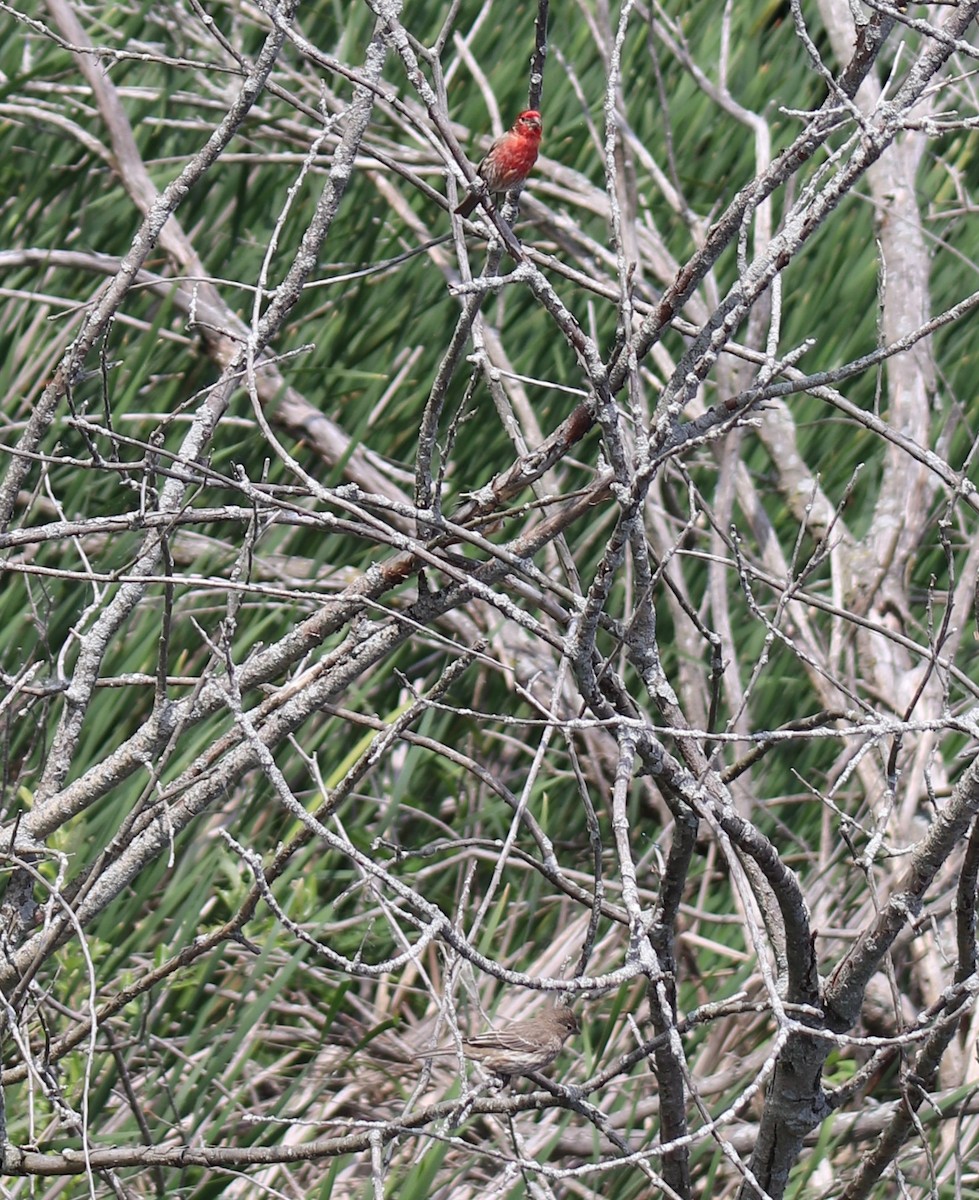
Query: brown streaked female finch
{"type": "Point", "coordinates": [519, 1046]}
{"type": "Point", "coordinates": [509, 160]}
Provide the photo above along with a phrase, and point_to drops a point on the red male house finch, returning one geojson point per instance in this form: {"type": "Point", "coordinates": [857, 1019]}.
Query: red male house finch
{"type": "Point", "coordinates": [520, 1046]}
{"type": "Point", "coordinates": [509, 160]}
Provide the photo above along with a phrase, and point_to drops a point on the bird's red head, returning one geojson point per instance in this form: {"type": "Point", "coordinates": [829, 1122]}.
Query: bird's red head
{"type": "Point", "coordinates": [528, 123]}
